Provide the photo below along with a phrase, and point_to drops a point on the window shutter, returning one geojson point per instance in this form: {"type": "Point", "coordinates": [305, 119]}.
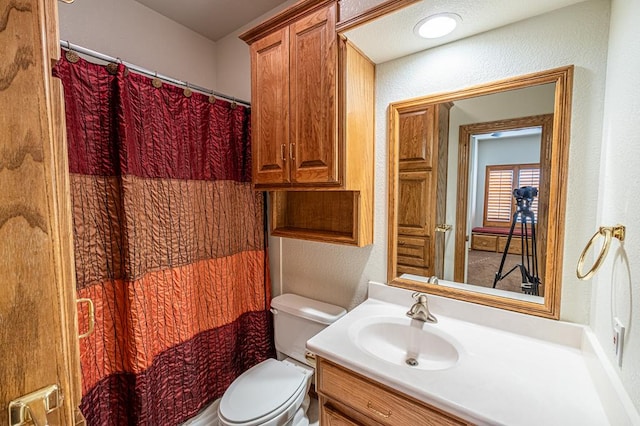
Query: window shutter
{"type": "Point", "coordinates": [499, 201]}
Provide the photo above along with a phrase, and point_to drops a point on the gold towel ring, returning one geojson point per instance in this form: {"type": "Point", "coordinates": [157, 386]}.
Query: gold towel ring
{"type": "Point", "coordinates": [608, 232]}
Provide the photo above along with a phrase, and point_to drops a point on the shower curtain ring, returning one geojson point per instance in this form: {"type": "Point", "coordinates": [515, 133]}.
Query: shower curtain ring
{"type": "Point", "coordinates": [187, 91]}
{"type": "Point", "coordinates": [156, 82]}
{"type": "Point", "coordinates": [233, 103]}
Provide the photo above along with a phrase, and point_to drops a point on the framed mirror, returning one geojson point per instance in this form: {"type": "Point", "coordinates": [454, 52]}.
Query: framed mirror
{"type": "Point", "coordinates": [477, 192]}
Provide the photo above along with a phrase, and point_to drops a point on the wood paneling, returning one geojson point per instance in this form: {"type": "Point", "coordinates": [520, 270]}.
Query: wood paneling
{"type": "Point", "coordinates": [356, 126]}
{"type": "Point", "coordinates": [38, 330]}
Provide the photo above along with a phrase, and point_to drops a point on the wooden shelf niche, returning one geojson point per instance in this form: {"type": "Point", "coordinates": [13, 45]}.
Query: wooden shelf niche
{"type": "Point", "coordinates": [325, 216]}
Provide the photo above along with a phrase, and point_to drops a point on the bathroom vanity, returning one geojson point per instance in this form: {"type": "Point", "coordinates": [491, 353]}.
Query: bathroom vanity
{"type": "Point", "coordinates": [477, 365]}
{"type": "Point", "coordinates": [345, 395]}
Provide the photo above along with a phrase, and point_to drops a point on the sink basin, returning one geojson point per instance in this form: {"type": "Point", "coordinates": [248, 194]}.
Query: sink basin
{"type": "Point", "coordinates": [405, 342]}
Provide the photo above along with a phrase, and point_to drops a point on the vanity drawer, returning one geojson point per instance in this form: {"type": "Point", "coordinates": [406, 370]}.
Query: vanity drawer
{"type": "Point", "coordinates": [376, 401]}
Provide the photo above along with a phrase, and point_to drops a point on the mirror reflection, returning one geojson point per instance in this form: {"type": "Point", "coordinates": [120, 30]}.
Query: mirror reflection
{"type": "Point", "coordinates": [495, 199]}
{"type": "Point", "coordinates": [503, 137]}
{"type": "Point", "coordinates": [476, 189]}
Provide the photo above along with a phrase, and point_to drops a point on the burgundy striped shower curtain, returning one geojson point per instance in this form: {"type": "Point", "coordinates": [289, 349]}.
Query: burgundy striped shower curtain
{"type": "Point", "coordinates": [169, 244]}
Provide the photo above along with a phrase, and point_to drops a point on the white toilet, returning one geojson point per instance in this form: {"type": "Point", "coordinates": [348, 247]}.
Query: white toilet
{"type": "Point", "coordinates": [275, 392]}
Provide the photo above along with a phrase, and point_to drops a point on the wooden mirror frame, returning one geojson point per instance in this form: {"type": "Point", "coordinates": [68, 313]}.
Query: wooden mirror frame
{"type": "Point", "coordinates": [558, 159]}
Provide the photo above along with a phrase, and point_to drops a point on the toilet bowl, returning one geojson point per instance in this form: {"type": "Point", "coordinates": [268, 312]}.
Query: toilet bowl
{"type": "Point", "coordinates": [275, 392]}
{"type": "Point", "coordinates": [271, 393]}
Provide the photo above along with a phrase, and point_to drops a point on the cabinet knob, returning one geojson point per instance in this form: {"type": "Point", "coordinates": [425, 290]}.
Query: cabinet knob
{"type": "Point", "coordinates": [284, 157]}
{"type": "Point", "coordinates": [292, 151]}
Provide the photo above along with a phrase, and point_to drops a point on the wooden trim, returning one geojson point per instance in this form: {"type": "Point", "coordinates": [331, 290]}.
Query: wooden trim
{"type": "Point", "coordinates": [392, 183]}
{"type": "Point", "coordinates": [555, 75]}
{"type": "Point", "coordinates": [556, 160]}
{"type": "Point", "coordinates": [375, 12]}
{"type": "Point", "coordinates": [284, 18]}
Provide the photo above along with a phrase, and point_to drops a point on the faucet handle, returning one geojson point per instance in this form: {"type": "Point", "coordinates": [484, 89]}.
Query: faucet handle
{"type": "Point", "coordinates": [418, 295]}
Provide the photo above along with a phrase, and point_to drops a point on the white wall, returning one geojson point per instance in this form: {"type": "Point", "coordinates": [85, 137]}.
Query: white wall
{"type": "Point", "coordinates": [128, 30]}
{"type": "Point", "coordinates": [575, 35]}
{"type": "Point", "coordinates": [616, 289]}
{"type": "Point", "coordinates": [513, 150]}
{"type": "Point", "coordinates": [233, 62]}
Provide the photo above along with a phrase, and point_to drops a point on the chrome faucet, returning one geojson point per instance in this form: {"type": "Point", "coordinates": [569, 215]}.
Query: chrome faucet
{"type": "Point", "coordinates": [420, 310]}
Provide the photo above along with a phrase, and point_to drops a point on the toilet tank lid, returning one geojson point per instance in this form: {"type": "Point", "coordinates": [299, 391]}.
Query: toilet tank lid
{"type": "Point", "coordinates": [314, 310]}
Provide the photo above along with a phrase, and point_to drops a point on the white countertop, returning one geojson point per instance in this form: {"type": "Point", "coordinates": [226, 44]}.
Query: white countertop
{"type": "Point", "coordinates": [513, 369]}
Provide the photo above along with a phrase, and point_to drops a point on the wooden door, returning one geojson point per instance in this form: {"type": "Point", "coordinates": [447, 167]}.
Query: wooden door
{"type": "Point", "coordinates": [422, 168]}
{"type": "Point", "coordinates": [270, 109]}
{"type": "Point", "coordinates": [441, 131]}
{"type": "Point", "coordinates": [313, 104]}
{"type": "Point", "coordinates": [38, 330]}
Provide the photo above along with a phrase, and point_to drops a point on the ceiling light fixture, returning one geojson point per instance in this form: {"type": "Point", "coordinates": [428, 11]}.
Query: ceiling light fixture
{"type": "Point", "coordinates": [438, 25]}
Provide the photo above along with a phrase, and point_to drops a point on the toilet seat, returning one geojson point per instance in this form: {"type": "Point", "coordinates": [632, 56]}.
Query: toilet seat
{"type": "Point", "coordinates": [265, 392]}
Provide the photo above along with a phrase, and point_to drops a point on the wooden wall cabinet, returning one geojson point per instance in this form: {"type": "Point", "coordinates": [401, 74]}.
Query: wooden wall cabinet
{"type": "Point", "coordinates": [347, 398]}
{"type": "Point", "coordinates": [312, 125]}
{"type": "Point", "coordinates": [293, 90]}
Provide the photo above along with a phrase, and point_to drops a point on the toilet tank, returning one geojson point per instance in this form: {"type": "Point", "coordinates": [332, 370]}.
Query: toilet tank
{"type": "Point", "coordinates": [296, 319]}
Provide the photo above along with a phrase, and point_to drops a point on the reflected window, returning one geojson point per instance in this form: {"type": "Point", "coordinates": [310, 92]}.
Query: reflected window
{"type": "Point", "coordinates": [499, 201]}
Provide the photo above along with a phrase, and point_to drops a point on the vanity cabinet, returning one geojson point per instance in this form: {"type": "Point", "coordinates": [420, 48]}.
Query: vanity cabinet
{"type": "Point", "coordinates": [312, 125]}
{"type": "Point", "coordinates": [347, 398]}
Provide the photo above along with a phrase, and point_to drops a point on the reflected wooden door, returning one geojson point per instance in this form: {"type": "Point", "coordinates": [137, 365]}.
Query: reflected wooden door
{"type": "Point", "coordinates": [38, 331]}
{"type": "Point", "coordinates": [422, 188]}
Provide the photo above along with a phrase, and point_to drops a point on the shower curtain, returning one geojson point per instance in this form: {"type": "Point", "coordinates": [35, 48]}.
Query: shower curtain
{"type": "Point", "coordinates": [169, 244]}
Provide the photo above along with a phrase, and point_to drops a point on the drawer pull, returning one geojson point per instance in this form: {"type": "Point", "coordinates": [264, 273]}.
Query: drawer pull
{"type": "Point", "coordinates": [378, 412]}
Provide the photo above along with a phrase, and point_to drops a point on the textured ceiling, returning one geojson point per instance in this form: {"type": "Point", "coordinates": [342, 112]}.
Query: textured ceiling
{"type": "Point", "coordinates": [477, 16]}
{"type": "Point", "coordinates": [214, 19]}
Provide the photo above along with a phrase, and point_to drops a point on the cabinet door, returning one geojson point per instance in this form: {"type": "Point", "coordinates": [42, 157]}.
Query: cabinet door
{"type": "Point", "coordinates": [313, 105]}
{"type": "Point", "coordinates": [270, 115]}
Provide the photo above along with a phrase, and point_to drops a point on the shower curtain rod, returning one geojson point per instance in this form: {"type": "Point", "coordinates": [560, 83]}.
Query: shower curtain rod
{"type": "Point", "coordinates": [79, 49]}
